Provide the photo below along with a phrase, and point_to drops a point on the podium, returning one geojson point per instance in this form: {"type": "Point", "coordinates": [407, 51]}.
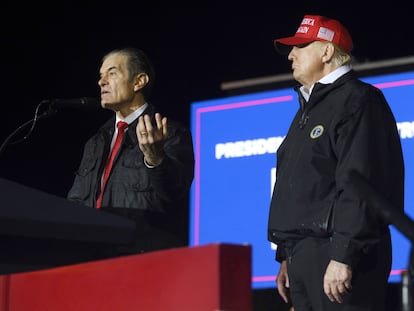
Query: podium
{"type": "Point", "coordinates": [40, 230]}
{"type": "Point", "coordinates": [213, 277]}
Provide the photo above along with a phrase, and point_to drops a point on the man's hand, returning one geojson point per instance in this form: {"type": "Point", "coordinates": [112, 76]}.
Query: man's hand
{"type": "Point", "coordinates": [282, 282]}
{"type": "Point", "coordinates": [151, 139]}
{"type": "Point", "coordinates": [337, 281]}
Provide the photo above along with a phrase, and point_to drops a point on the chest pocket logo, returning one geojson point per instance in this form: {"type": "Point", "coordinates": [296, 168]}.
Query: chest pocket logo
{"type": "Point", "coordinates": [316, 132]}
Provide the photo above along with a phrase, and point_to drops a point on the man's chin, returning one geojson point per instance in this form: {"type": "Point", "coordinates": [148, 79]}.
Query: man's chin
{"type": "Point", "coordinates": [107, 105]}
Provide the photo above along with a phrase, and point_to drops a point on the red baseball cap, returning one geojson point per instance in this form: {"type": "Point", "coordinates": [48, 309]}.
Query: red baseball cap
{"type": "Point", "coordinates": [317, 28]}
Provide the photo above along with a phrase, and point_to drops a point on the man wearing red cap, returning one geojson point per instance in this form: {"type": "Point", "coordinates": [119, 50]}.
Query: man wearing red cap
{"type": "Point", "coordinates": [334, 249]}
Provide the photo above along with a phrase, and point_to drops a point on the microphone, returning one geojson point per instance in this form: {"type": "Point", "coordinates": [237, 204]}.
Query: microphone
{"type": "Point", "coordinates": [86, 103]}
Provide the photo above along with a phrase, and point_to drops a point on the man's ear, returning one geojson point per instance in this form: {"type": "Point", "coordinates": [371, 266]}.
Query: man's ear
{"type": "Point", "coordinates": [328, 53]}
{"type": "Point", "coordinates": [141, 80]}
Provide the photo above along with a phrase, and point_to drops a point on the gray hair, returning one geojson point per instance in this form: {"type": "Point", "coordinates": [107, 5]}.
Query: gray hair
{"type": "Point", "coordinates": [137, 63]}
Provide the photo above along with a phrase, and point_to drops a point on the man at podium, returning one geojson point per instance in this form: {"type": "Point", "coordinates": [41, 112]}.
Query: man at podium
{"type": "Point", "coordinates": [149, 177]}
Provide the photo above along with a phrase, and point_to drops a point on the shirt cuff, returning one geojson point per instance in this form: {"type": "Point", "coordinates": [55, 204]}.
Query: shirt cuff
{"type": "Point", "coordinates": [151, 166]}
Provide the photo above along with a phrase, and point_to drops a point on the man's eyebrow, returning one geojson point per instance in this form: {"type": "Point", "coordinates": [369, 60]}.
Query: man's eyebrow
{"type": "Point", "coordinates": [109, 69]}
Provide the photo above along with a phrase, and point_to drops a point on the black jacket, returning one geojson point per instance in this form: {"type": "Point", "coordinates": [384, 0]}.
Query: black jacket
{"type": "Point", "coordinates": [346, 125]}
{"type": "Point", "coordinates": [155, 198]}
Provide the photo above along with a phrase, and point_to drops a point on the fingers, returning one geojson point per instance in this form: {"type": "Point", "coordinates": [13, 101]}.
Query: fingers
{"type": "Point", "coordinates": [282, 282]}
{"type": "Point", "coordinates": [148, 132]}
{"type": "Point", "coordinates": [152, 135]}
{"type": "Point", "coordinates": [158, 120]}
{"type": "Point", "coordinates": [164, 127]}
{"type": "Point", "coordinates": [141, 129]}
{"type": "Point", "coordinates": [337, 281]}
{"type": "Point", "coordinates": [337, 292]}
{"type": "Point", "coordinates": [348, 287]}
{"type": "Point", "coordinates": [161, 124]}
{"type": "Point", "coordinates": [148, 125]}
{"type": "Point", "coordinates": [283, 292]}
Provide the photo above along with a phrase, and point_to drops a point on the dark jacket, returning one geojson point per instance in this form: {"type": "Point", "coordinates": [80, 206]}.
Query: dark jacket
{"type": "Point", "coordinates": [345, 126]}
{"type": "Point", "coordinates": [155, 198]}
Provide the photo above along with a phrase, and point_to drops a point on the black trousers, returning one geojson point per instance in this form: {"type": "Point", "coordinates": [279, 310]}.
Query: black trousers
{"type": "Point", "coordinates": [307, 266]}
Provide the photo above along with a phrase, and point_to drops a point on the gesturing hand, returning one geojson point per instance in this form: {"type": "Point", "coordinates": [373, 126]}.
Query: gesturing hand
{"type": "Point", "coordinates": [151, 139]}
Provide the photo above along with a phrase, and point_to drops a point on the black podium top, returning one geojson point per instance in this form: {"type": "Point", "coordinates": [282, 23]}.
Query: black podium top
{"type": "Point", "coordinates": [38, 229]}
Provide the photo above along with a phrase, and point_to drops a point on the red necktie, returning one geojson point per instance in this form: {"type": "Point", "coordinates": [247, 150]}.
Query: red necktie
{"type": "Point", "coordinates": [121, 131]}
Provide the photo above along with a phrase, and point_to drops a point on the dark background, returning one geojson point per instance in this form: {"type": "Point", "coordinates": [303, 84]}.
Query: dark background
{"type": "Point", "coordinates": [54, 49]}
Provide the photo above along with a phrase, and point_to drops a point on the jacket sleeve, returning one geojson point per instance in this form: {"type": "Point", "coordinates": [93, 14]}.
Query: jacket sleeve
{"type": "Point", "coordinates": [367, 141]}
{"type": "Point", "coordinates": [280, 254]}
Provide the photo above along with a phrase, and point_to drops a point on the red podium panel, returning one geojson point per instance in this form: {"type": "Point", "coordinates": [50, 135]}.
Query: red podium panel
{"type": "Point", "coordinates": [214, 277]}
{"type": "Point", "coordinates": [4, 292]}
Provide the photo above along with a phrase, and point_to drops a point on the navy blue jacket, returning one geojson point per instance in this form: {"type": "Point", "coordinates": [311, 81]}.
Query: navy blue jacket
{"type": "Point", "coordinates": [345, 126]}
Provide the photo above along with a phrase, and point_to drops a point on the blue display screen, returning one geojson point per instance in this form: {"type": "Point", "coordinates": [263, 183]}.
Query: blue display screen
{"type": "Point", "coordinates": [235, 144]}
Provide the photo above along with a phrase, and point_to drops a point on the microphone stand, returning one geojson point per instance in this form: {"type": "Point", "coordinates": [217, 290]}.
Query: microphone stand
{"type": "Point", "coordinates": [400, 220]}
{"type": "Point", "coordinates": [33, 121]}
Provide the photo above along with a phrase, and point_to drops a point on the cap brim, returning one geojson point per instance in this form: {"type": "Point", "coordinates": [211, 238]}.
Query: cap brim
{"type": "Point", "coordinates": [284, 45]}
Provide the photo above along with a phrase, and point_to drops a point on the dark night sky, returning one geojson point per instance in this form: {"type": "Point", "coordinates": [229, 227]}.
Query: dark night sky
{"type": "Point", "coordinates": [54, 51]}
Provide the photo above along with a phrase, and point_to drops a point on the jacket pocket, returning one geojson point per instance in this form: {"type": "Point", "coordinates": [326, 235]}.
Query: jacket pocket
{"type": "Point", "coordinates": [84, 179]}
